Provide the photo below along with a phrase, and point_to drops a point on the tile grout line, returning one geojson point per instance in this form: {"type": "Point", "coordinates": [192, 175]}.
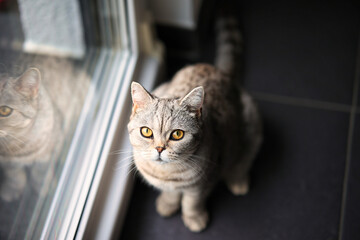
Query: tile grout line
{"type": "Point", "coordinates": [354, 111]}
{"type": "Point", "coordinates": [304, 102]}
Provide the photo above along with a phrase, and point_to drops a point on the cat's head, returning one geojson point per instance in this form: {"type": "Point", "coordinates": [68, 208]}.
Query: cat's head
{"type": "Point", "coordinates": [165, 130]}
{"type": "Point", "coordinates": [18, 104]}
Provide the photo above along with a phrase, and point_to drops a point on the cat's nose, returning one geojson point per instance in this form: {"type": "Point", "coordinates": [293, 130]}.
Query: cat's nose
{"type": "Point", "coordinates": [160, 149]}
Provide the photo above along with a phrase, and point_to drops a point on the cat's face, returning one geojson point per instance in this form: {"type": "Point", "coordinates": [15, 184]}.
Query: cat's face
{"type": "Point", "coordinates": [18, 106]}
{"type": "Point", "coordinates": [165, 130]}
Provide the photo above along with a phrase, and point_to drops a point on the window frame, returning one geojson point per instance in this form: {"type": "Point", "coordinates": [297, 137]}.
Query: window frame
{"type": "Point", "coordinates": [97, 203]}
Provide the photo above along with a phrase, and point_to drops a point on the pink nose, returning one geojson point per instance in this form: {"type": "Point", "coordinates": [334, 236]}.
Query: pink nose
{"type": "Point", "coordinates": [160, 149]}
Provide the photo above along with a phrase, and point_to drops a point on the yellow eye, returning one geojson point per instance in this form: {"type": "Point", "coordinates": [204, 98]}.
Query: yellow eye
{"type": "Point", "coordinates": [146, 132]}
{"type": "Point", "coordinates": [177, 135]}
{"type": "Point", "coordinates": [5, 111]}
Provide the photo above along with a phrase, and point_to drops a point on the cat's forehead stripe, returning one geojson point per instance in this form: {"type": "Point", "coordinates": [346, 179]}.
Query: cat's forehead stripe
{"type": "Point", "coordinates": [2, 84]}
{"type": "Point", "coordinates": [164, 109]}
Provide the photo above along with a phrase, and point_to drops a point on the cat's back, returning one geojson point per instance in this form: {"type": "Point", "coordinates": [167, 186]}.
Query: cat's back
{"type": "Point", "coordinates": [221, 93]}
{"type": "Point", "coordinates": [189, 77]}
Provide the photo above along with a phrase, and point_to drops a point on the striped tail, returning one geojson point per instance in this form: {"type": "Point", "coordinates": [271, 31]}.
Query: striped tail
{"type": "Point", "coordinates": [229, 44]}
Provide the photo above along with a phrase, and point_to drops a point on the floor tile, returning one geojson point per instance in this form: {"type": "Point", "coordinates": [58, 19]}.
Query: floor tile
{"type": "Point", "coordinates": [301, 49]}
{"type": "Point", "coordinates": [296, 186]}
{"type": "Point", "coordinates": [352, 211]}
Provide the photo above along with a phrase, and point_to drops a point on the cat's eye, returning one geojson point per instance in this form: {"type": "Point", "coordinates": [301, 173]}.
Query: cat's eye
{"type": "Point", "coordinates": [146, 132]}
{"type": "Point", "coordinates": [177, 135]}
{"type": "Point", "coordinates": [5, 111]}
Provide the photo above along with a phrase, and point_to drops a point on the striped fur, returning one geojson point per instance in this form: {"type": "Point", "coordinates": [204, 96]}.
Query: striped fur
{"type": "Point", "coordinates": [45, 101]}
{"type": "Point", "coordinates": [229, 41]}
{"type": "Point", "coordinates": [222, 134]}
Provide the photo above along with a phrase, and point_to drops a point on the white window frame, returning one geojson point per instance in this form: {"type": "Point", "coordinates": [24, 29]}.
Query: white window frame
{"type": "Point", "coordinates": [96, 206]}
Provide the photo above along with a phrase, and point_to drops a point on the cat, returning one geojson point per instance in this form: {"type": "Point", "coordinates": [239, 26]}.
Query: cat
{"type": "Point", "coordinates": [19, 107]}
{"type": "Point", "coordinates": [195, 130]}
{"type": "Point", "coordinates": [36, 110]}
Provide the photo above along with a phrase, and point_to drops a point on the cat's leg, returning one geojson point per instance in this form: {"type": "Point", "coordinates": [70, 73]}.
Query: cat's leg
{"type": "Point", "coordinates": [237, 176]}
{"type": "Point", "coordinates": [14, 183]}
{"type": "Point", "coordinates": [40, 176]}
{"type": "Point", "coordinates": [241, 151]}
{"type": "Point", "coordinates": [168, 203]}
{"type": "Point", "coordinates": [194, 213]}
{"type": "Point", "coordinates": [238, 185]}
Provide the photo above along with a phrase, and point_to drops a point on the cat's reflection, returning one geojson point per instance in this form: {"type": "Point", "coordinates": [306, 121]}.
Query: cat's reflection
{"type": "Point", "coordinates": [27, 126]}
{"type": "Point", "coordinates": [38, 109]}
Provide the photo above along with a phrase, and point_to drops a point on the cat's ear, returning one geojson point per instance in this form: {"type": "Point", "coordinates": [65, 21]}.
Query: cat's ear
{"type": "Point", "coordinates": [28, 84]}
{"type": "Point", "coordinates": [140, 96]}
{"type": "Point", "coordinates": [194, 100]}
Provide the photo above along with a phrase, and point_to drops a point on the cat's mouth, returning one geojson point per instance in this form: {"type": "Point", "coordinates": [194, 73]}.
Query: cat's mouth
{"type": "Point", "coordinates": [160, 160]}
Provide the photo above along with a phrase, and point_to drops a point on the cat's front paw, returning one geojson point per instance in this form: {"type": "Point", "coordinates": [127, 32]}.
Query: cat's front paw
{"type": "Point", "coordinates": [12, 188]}
{"type": "Point", "coordinates": [9, 194]}
{"type": "Point", "coordinates": [197, 222]}
{"type": "Point", "coordinates": [166, 208]}
{"type": "Point", "coordinates": [239, 188]}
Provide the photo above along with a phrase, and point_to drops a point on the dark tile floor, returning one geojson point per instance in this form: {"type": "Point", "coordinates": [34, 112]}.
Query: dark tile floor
{"type": "Point", "coordinates": [298, 49]}
{"type": "Point", "coordinates": [351, 224]}
{"type": "Point", "coordinates": [296, 187]}
{"type": "Point", "coordinates": [300, 64]}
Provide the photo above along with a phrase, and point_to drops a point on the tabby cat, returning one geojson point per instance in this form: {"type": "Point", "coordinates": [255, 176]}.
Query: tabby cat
{"type": "Point", "coordinates": [196, 130]}
{"type": "Point", "coordinates": [36, 109]}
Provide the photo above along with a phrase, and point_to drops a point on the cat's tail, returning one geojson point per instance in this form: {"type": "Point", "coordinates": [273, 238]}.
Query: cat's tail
{"type": "Point", "coordinates": [229, 45]}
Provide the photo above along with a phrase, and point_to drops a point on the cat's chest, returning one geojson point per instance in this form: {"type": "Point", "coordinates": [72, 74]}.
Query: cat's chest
{"type": "Point", "coordinates": [168, 176]}
{"type": "Point", "coordinates": [41, 154]}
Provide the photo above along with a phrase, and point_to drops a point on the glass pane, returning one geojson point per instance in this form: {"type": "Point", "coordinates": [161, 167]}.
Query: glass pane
{"type": "Point", "coordinates": [51, 107]}
{"type": "Point", "coordinates": [45, 102]}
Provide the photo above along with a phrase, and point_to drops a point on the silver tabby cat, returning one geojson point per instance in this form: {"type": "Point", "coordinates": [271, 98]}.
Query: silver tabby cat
{"type": "Point", "coordinates": [36, 109]}
{"type": "Point", "coordinates": [194, 131]}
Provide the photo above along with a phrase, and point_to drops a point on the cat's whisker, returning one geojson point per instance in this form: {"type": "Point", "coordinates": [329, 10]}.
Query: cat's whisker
{"type": "Point", "coordinates": [147, 154]}
{"type": "Point", "coordinates": [127, 160]}
{"type": "Point", "coordinates": [201, 158]}
{"type": "Point", "coordinates": [16, 142]}
{"type": "Point", "coordinates": [125, 157]}
{"type": "Point", "coordinates": [195, 166]}
{"type": "Point", "coordinates": [118, 152]}
{"type": "Point", "coordinates": [129, 167]}
{"type": "Point", "coordinates": [5, 145]}
{"type": "Point", "coordinates": [124, 165]}
{"type": "Point", "coordinates": [184, 165]}
{"type": "Point", "coordinates": [17, 146]}
{"type": "Point", "coordinates": [15, 138]}
{"type": "Point", "coordinates": [133, 169]}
